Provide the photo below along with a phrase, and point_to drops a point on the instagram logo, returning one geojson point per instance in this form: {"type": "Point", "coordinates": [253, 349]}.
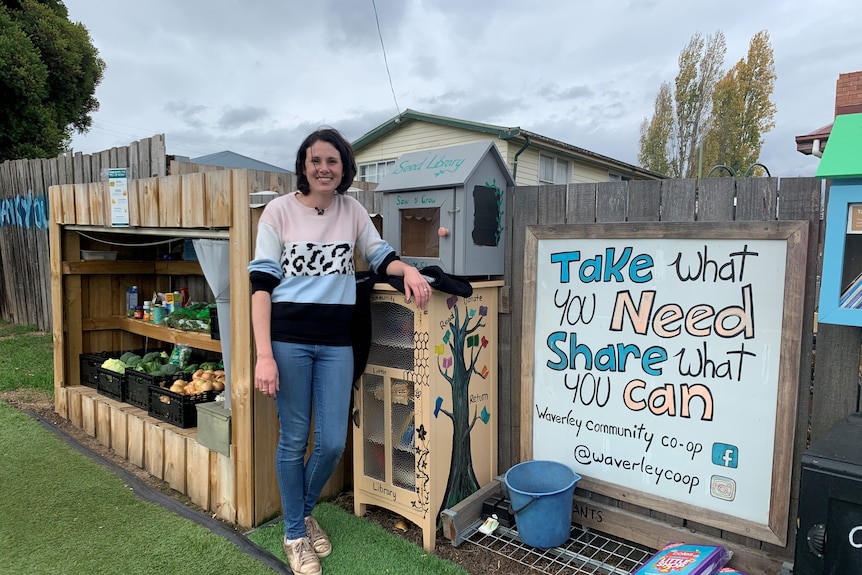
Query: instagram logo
{"type": "Point", "coordinates": [722, 487]}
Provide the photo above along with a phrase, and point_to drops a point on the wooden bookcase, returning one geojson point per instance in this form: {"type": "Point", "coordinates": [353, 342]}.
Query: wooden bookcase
{"type": "Point", "coordinates": [425, 418]}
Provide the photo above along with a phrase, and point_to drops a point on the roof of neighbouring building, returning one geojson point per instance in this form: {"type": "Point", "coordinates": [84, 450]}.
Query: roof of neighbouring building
{"type": "Point", "coordinates": [805, 142]}
{"type": "Point", "coordinates": [228, 159]}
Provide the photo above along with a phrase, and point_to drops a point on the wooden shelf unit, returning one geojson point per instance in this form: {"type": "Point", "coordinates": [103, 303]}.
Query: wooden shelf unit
{"type": "Point", "coordinates": [88, 301]}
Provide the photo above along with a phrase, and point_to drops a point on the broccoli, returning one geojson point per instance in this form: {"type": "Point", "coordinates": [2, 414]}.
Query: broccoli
{"type": "Point", "coordinates": [149, 367]}
{"type": "Point", "coordinates": [170, 369]}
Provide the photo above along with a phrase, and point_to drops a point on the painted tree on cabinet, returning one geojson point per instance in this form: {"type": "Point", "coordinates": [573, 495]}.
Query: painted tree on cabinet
{"type": "Point", "coordinates": [465, 343]}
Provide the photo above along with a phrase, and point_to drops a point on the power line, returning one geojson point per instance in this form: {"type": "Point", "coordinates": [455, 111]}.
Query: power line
{"type": "Point", "coordinates": [385, 60]}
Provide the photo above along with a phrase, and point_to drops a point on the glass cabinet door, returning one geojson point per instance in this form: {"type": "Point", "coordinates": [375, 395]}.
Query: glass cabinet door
{"type": "Point", "coordinates": [403, 433]}
{"type": "Point", "coordinates": [373, 427]}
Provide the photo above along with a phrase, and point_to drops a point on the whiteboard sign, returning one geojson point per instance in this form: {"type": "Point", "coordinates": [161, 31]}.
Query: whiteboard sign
{"type": "Point", "coordinates": [659, 365]}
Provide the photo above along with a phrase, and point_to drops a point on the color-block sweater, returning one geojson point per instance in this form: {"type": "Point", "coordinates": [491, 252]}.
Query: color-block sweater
{"type": "Point", "coordinates": [305, 261]}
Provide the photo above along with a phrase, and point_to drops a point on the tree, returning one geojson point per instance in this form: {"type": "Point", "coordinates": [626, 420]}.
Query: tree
{"type": "Point", "coordinates": [49, 70]}
{"type": "Point", "coordinates": [742, 109]}
{"type": "Point", "coordinates": [671, 139]}
{"type": "Point", "coordinates": [656, 134]}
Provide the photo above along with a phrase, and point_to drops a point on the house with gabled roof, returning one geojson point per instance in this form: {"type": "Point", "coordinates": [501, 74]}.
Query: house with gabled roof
{"type": "Point", "coordinates": [532, 158]}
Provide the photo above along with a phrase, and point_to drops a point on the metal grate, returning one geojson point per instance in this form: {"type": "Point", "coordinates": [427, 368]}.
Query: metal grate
{"type": "Point", "coordinates": [585, 553]}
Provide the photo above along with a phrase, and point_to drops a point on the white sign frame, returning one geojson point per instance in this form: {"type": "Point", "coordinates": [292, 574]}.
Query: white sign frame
{"type": "Point", "coordinates": [777, 360]}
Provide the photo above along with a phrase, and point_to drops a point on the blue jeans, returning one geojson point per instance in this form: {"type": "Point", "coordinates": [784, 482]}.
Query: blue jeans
{"type": "Point", "coordinates": [310, 377]}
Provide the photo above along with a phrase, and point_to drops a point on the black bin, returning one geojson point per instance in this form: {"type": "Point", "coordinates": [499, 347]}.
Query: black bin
{"type": "Point", "coordinates": [829, 536]}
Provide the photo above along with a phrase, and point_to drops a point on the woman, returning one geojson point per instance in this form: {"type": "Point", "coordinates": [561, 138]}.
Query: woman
{"type": "Point", "coordinates": [303, 294]}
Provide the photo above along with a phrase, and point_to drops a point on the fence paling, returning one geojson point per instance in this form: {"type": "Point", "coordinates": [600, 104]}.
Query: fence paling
{"type": "Point", "coordinates": [25, 289]}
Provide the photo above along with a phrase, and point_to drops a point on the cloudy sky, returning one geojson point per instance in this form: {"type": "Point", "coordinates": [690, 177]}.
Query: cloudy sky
{"type": "Point", "coordinates": [255, 76]}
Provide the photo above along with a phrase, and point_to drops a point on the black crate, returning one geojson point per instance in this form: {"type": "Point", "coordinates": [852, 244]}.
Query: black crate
{"type": "Point", "coordinates": [112, 384]}
{"type": "Point", "coordinates": [90, 363]}
{"type": "Point", "coordinates": [176, 408]}
{"type": "Point", "coordinates": [138, 387]}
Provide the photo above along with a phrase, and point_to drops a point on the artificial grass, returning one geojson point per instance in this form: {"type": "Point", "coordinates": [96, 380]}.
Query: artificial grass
{"type": "Point", "coordinates": [63, 513]}
{"type": "Point", "coordinates": [360, 546]}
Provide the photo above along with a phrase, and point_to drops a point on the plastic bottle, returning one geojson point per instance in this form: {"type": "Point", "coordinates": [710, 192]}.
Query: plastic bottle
{"type": "Point", "coordinates": [147, 313]}
{"type": "Point", "coordinates": [131, 300]}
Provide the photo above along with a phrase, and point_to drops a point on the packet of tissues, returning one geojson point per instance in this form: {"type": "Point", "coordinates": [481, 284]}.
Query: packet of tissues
{"type": "Point", "coordinates": [489, 525]}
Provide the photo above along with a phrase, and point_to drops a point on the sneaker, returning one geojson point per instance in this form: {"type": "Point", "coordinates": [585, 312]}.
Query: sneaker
{"type": "Point", "coordinates": [319, 540]}
{"type": "Point", "coordinates": [301, 557]}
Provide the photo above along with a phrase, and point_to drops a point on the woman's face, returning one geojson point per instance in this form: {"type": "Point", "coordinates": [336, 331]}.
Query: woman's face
{"type": "Point", "coordinates": [323, 167]}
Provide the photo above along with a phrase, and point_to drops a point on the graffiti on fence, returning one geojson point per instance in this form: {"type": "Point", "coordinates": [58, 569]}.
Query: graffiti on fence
{"type": "Point", "coordinates": [24, 211]}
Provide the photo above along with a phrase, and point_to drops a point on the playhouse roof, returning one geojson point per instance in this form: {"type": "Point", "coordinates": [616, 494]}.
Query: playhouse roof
{"type": "Point", "coordinates": [842, 158]}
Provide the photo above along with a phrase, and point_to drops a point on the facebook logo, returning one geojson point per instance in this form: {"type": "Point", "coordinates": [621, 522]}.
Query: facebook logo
{"type": "Point", "coordinates": [725, 455]}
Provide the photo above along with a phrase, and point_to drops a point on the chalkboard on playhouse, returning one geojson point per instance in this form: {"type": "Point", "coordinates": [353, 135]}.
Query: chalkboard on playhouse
{"type": "Point", "coordinates": [662, 364]}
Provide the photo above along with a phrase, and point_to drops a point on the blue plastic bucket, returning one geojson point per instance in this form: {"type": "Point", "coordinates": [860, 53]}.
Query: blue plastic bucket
{"type": "Point", "coordinates": [541, 496]}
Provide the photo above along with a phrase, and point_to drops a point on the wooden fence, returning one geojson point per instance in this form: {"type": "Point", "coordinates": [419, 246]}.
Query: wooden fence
{"type": "Point", "coordinates": [828, 397]}
{"type": "Point", "coordinates": [25, 288]}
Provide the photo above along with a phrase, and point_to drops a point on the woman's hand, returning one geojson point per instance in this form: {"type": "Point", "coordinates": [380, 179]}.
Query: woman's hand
{"type": "Point", "coordinates": [266, 376]}
{"type": "Point", "coordinates": [416, 286]}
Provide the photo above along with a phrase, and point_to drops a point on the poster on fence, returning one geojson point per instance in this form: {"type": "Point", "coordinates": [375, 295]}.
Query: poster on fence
{"type": "Point", "coordinates": [118, 186]}
{"type": "Point", "coordinates": [666, 364]}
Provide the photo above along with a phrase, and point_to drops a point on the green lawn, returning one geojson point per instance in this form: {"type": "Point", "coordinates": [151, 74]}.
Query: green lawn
{"type": "Point", "coordinates": [26, 359]}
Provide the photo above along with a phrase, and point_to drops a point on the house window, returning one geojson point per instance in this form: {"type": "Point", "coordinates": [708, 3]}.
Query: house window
{"type": "Point", "coordinates": [374, 171]}
{"type": "Point", "coordinates": [553, 170]}
{"type": "Point", "coordinates": [617, 178]}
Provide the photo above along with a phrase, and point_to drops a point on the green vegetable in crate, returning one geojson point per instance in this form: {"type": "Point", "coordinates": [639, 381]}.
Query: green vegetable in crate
{"type": "Point", "coordinates": [152, 356]}
{"type": "Point", "coordinates": [170, 369]}
{"type": "Point", "coordinates": [191, 368]}
{"type": "Point", "coordinates": [134, 361]}
{"type": "Point", "coordinates": [114, 365]}
{"type": "Point", "coordinates": [150, 367]}
{"type": "Point", "coordinates": [213, 365]}
{"type": "Point", "coordinates": [125, 357]}
{"type": "Point", "coordinates": [180, 355]}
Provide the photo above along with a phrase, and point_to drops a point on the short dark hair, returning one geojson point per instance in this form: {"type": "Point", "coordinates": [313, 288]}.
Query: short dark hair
{"type": "Point", "coordinates": [348, 160]}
